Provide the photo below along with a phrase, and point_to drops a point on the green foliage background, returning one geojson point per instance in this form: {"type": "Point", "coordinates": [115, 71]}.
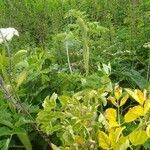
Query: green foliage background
{"type": "Point", "coordinates": [69, 47]}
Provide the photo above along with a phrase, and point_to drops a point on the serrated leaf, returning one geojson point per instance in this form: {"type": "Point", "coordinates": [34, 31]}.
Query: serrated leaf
{"type": "Point", "coordinates": [104, 141]}
{"type": "Point", "coordinates": [123, 100]}
{"type": "Point", "coordinates": [134, 113]}
{"type": "Point", "coordinates": [138, 137]}
{"type": "Point", "coordinates": [50, 102]}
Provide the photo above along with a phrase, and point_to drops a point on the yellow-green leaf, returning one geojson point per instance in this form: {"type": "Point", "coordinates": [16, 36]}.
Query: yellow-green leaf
{"type": "Point", "coordinates": [140, 95]}
{"type": "Point", "coordinates": [135, 95]}
{"type": "Point", "coordinates": [104, 141]}
{"type": "Point", "coordinates": [134, 113]}
{"type": "Point", "coordinates": [147, 106]}
{"type": "Point", "coordinates": [22, 76]}
{"type": "Point", "coordinates": [118, 92]}
{"type": "Point", "coordinates": [79, 140]}
{"type": "Point", "coordinates": [111, 116]}
{"type": "Point", "coordinates": [114, 134]}
{"type": "Point", "coordinates": [124, 99]}
{"type": "Point", "coordinates": [148, 130]}
{"type": "Point", "coordinates": [122, 144]}
{"type": "Point", "coordinates": [113, 101]}
{"type": "Point", "coordinates": [138, 137]}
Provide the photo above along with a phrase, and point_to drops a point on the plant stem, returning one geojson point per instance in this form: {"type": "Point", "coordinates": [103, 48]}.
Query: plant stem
{"type": "Point", "coordinates": [68, 59]}
{"type": "Point", "coordinates": [118, 111]}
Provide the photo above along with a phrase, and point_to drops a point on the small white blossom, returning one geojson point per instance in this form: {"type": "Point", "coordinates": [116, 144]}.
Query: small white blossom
{"type": "Point", "coordinates": [146, 45]}
{"type": "Point", "coordinates": [7, 34]}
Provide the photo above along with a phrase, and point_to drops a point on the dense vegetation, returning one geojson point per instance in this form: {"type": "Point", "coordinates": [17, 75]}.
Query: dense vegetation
{"type": "Point", "coordinates": [78, 75]}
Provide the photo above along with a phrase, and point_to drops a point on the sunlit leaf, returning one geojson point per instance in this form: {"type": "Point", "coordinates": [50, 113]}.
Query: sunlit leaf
{"type": "Point", "coordinates": [123, 100]}
{"type": "Point", "coordinates": [111, 116]}
{"type": "Point", "coordinates": [147, 106]}
{"type": "Point", "coordinates": [148, 130]}
{"type": "Point", "coordinates": [118, 92]}
{"type": "Point", "coordinates": [138, 137]}
{"type": "Point", "coordinates": [103, 120]}
{"type": "Point", "coordinates": [134, 113]}
{"type": "Point", "coordinates": [113, 101]}
{"type": "Point", "coordinates": [115, 133]}
{"type": "Point", "coordinates": [135, 96]}
{"type": "Point", "coordinates": [122, 144]}
{"type": "Point", "coordinates": [104, 141]}
{"type": "Point", "coordinates": [50, 102]}
{"type": "Point", "coordinates": [140, 95]}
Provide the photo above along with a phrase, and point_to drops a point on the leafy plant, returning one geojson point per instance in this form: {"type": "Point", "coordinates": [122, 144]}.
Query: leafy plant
{"type": "Point", "coordinates": [79, 123]}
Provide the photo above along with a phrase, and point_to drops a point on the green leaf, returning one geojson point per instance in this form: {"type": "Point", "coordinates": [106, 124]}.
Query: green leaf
{"type": "Point", "coordinates": [138, 137]}
{"type": "Point", "coordinates": [5, 131]}
{"type": "Point", "coordinates": [25, 140]}
{"type": "Point", "coordinates": [136, 77]}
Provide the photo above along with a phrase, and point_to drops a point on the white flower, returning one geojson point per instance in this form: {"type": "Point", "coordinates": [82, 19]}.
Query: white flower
{"type": "Point", "coordinates": [146, 45]}
{"type": "Point", "coordinates": [7, 34]}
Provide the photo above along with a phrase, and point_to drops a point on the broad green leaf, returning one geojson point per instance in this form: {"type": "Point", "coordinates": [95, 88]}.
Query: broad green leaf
{"type": "Point", "coordinates": [104, 141]}
{"type": "Point", "coordinates": [111, 116]}
{"type": "Point", "coordinates": [135, 96]}
{"type": "Point", "coordinates": [25, 140]}
{"type": "Point", "coordinates": [134, 113]}
{"type": "Point", "coordinates": [22, 76]}
{"type": "Point", "coordinates": [138, 137]}
{"type": "Point", "coordinates": [123, 100]}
